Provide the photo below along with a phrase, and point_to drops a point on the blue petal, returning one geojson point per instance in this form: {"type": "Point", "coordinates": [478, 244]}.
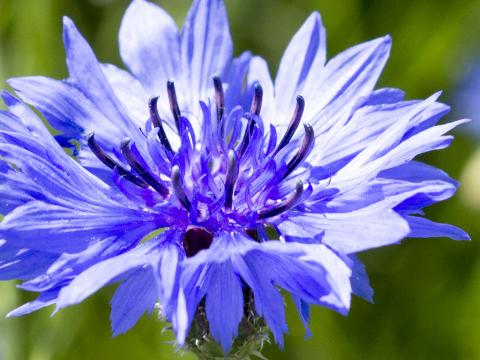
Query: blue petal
{"type": "Point", "coordinates": [415, 171]}
{"type": "Point", "coordinates": [130, 92]}
{"type": "Point", "coordinates": [338, 275]}
{"type": "Point", "coordinates": [148, 256]}
{"type": "Point", "coordinates": [224, 304]}
{"type": "Point", "coordinates": [347, 77]}
{"type": "Point", "coordinates": [150, 45]}
{"type": "Point", "coordinates": [11, 123]}
{"type": "Point", "coordinates": [41, 169]}
{"type": "Point", "coordinates": [101, 274]}
{"type": "Point", "coordinates": [15, 190]}
{"type": "Point", "coordinates": [402, 196]}
{"type": "Point", "coordinates": [424, 228]}
{"type": "Point", "coordinates": [45, 299]}
{"type": "Point", "coordinates": [359, 280]}
{"type": "Point", "coordinates": [366, 126]}
{"type": "Point", "coordinates": [25, 264]}
{"type": "Point", "coordinates": [66, 108]}
{"type": "Point", "coordinates": [45, 227]}
{"type": "Point", "coordinates": [53, 174]}
{"type": "Point", "coordinates": [33, 124]}
{"type": "Point", "coordinates": [433, 138]}
{"type": "Point", "coordinates": [390, 150]}
{"type": "Point", "coordinates": [384, 96]}
{"type": "Point", "coordinates": [433, 192]}
{"type": "Point", "coordinates": [348, 232]}
{"type": "Point", "coordinates": [302, 61]}
{"type": "Point", "coordinates": [167, 265]}
{"type": "Point", "coordinates": [68, 265]}
{"type": "Point", "coordinates": [133, 297]}
{"type": "Point", "coordinates": [299, 269]}
{"type": "Point", "coordinates": [206, 46]}
{"type": "Point", "coordinates": [268, 300]}
{"type": "Point", "coordinates": [194, 284]}
{"type": "Point", "coordinates": [303, 309]}
{"type": "Point", "coordinates": [235, 80]}
{"type": "Point", "coordinates": [87, 75]}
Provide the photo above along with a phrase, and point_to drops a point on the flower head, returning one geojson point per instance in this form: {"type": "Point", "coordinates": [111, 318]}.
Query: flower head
{"type": "Point", "coordinates": [256, 184]}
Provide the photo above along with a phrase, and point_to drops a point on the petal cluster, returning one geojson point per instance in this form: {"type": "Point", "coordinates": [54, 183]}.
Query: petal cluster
{"type": "Point", "coordinates": [195, 180]}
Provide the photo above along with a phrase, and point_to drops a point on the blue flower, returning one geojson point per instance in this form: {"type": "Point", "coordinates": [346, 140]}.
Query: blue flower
{"type": "Point", "coordinates": [256, 184]}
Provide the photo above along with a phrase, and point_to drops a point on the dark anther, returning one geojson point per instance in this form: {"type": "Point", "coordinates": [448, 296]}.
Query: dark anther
{"type": "Point", "coordinates": [219, 97]}
{"type": "Point", "coordinates": [254, 109]}
{"type": "Point", "coordinates": [292, 127]}
{"type": "Point", "coordinates": [172, 98]}
{"type": "Point", "coordinates": [307, 143]}
{"type": "Point", "coordinates": [157, 122]}
{"type": "Point", "coordinates": [195, 239]}
{"type": "Point", "coordinates": [178, 188]}
{"type": "Point", "coordinates": [246, 137]}
{"type": "Point", "coordinates": [289, 202]}
{"type": "Point", "coordinates": [99, 153]}
{"type": "Point", "coordinates": [257, 99]}
{"type": "Point", "coordinates": [111, 163]}
{"type": "Point", "coordinates": [232, 174]}
{"type": "Point", "coordinates": [137, 166]}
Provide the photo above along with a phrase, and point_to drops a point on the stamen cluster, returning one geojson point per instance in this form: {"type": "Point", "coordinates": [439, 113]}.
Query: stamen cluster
{"type": "Point", "coordinates": [228, 175]}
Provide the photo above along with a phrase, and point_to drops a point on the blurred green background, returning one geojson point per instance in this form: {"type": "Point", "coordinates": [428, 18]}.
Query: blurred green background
{"type": "Point", "coordinates": [427, 290]}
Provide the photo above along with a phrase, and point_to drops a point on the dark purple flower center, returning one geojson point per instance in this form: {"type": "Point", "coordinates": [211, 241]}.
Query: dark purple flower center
{"type": "Point", "coordinates": [195, 239]}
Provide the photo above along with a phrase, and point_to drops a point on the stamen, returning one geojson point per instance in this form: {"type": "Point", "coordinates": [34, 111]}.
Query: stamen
{"type": "Point", "coordinates": [290, 202]}
{"type": "Point", "coordinates": [231, 178]}
{"type": "Point", "coordinates": [294, 122]}
{"type": "Point", "coordinates": [172, 98]}
{"type": "Point", "coordinates": [139, 168]}
{"type": "Point", "coordinates": [246, 137]}
{"type": "Point", "coordinates": [219, 97]}
{"type": "Point", "coordinates": [178, 188]}
{"type": "Point", "coordinates": [256, 106]}
{"type": "Point", "coordinates": [255, 109]}
{"type": "Point", "coordinates": [111, 163]}
{"type": "Point", "coordinates": [157, 122]}
{"type": "Point", "coordinates": [195, 239]}
{"type": "Point", "coordinates": [307, 143]}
